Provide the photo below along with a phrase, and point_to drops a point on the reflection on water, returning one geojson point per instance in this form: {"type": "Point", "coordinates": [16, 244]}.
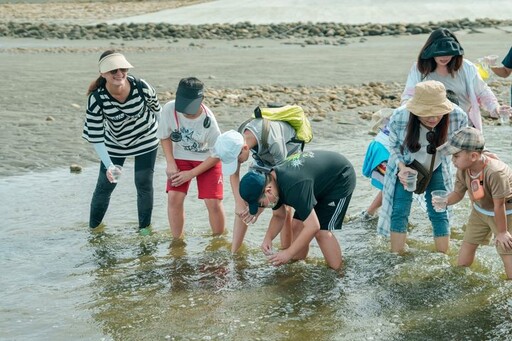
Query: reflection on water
{"type": "Point", "coordinates": [62, 282]}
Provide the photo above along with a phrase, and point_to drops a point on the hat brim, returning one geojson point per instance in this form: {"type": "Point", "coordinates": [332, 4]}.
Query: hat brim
{"type": "Point", "coordinates": [448, 149]}
{"type": "Point", "coordinates": [228, 168]}
{"type": "Point", "coordinates": [379, 117]}
{"type": "Point", "coordinates": [114, 61]}
{"type": "Point", "coordinates": [423, 110]}
{"type": "Point", "coordinates": [189, 106]}
{"type": "Point", "coordinates": [251, 189]}
{"type": "Point", "coordinates": [253, 208]}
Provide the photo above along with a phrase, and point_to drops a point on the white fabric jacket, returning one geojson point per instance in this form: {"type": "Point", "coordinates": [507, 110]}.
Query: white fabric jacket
{"type": "Point", "coordinates": [478, 91]}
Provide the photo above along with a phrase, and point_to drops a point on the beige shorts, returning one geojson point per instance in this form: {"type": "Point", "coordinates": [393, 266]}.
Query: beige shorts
{"type": "Point", "coordinates": [480, 227]}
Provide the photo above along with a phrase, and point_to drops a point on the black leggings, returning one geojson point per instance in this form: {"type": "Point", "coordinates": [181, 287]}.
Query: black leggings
{"type": "Point", "coordinates": [144, 170]}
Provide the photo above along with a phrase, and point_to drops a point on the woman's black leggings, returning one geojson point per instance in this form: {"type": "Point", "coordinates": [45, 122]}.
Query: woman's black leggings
{"type": "Point", "coordinates": [144, 170]}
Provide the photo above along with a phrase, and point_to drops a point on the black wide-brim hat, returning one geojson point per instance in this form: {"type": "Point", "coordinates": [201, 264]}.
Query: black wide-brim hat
{"type": "Point", "coordinates": [445, 46]}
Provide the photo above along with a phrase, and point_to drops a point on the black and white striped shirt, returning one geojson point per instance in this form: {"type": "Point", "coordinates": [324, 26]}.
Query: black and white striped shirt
{"type": "Point", "coordinates": [129, 128]}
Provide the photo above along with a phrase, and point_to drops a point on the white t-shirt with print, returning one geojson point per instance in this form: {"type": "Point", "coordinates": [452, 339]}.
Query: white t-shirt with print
{"type": "Point", "coordinates": [196, 140]}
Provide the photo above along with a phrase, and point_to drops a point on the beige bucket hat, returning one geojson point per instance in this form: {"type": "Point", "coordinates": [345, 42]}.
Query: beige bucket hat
{"type": "Point", "coordinates": [429, 100]}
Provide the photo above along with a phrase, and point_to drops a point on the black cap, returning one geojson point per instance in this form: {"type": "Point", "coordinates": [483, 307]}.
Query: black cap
{"type": "Point", "coordinates": [189, 95]}
{"type": "Point", "coordinates": [446, 46]}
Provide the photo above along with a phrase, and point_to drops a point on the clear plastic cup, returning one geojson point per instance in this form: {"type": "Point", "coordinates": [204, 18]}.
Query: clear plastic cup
{"type": "Point", "coordinates": [116, 172]}
{"type": "Point", "coordinates": [491, 60]}
{"type": "Point", "coordinates": [482, 68]}
{"type": "Point", "coordinates": [504, 114]}
{"type": "Point", "coordinates": [412, 178]}
{"type": "Point", "coordinates": [439, 200]}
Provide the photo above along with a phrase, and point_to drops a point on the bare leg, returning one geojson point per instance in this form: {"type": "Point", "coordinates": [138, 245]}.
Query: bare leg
{"type": "Point", "coordinates": [286, 234]}
{"type": "Point", "coordinates": [239, 230]}
{"type": "Point", "coordinates": [376, 203]}
{"type": "Point", "coordinates": [398, 242]}
{"type": "Point", "coordinates": [466, 254]}
{"type": "Point", "coordinates": [330, 248]}
{"type": "Point", "coordinates": [176, 213]}
{"type": "Point", "coordinates": [442, 244]}
{"type": "Point", "coordinates": [297, 227]}
{"type": "Point", "coordinates": [507, 261]}
{"type": "Point", "coordinates": [215, 215]}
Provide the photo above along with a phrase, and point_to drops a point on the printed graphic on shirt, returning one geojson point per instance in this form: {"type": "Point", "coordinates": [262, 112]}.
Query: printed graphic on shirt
{"type": "Point", "coordinates": [189, 143]}
{"type": "Point", "coordinates": [297, 160]}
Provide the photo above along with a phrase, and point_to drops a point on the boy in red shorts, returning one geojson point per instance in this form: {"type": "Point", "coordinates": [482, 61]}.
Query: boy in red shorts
{"type": "Point", "coordinates": [187, 130]}
{"type": "Point", "coordinates": [488, 182]}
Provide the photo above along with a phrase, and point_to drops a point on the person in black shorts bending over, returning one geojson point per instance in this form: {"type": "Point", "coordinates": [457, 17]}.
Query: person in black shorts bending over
{"type": "Point", "coordinates": [318, 185]}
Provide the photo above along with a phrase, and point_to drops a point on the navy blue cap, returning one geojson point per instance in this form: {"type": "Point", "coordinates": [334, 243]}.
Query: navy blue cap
{"type": "Point", "coordinates": [251, 189]}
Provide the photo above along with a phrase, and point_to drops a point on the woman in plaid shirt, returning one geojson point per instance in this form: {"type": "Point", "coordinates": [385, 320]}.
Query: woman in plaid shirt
{"type": "Point", "coordinates": [415, 131]}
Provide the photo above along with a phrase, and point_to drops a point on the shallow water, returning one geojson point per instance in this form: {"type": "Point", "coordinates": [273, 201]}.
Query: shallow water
{"type": "Point", "coordinates": [60, 282]}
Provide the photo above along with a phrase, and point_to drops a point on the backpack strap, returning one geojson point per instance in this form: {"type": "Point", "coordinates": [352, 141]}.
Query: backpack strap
{"type": "Point", "coordinates": [241, 128]}
{"type": "Point", "coordinates": [257, 113]}
{"type": "Point", "coordinates": [98, 99]}
{"type": "Point", "coordinates": [264, 133]}
{"type": "Point", "coordinates": [302, 143]}
{"type": "Point", "coordinates": [265, 128]}
{"type": "Point", "coordinates": [138, 84]}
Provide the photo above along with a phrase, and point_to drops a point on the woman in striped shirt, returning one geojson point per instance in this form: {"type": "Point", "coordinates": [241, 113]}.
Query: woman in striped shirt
{"type": "Point", "coordinates": [121, 121]}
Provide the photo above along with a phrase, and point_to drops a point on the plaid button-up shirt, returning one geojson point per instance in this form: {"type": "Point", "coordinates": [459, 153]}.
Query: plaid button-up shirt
{"type": "Point", "coordinates": [397, 131]}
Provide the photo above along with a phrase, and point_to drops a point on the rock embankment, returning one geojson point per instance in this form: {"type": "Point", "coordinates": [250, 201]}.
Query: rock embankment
{"type": "Point", "coordinates": [314, 33]}
{"type": "Point", "coordinates": [320, 102]}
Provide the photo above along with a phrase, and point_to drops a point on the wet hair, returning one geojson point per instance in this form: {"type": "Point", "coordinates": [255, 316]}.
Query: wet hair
{"type": "Point", "coordinates": [412, 135]}
{"type": "Point", "coordinates": [426, 66]}
{"type": "Point", "coordinates": [100, 81]}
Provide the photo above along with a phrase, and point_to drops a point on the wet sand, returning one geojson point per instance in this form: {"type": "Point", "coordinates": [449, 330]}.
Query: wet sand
{"type": "Point", "coordinates": [44, 81]}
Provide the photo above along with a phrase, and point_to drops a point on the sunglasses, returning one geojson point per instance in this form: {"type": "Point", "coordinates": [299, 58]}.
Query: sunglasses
{"type": "Point", "coordinates": [113, 72]}
{"type": "Point", "coordinates": [431, 138]}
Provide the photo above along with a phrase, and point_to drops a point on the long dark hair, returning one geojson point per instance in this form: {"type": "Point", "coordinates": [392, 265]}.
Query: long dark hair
{"type": "Point", "coordinates": [426, 66]}
{"type": "Point", "coordinates": [100, 81]}
{"type": "Point", "coordinates": [412, 135]}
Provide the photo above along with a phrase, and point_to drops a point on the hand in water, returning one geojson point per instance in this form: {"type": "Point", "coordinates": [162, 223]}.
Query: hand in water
{"type": "Point", "coordinates": [279, 258]}
{"type": "Point", "coordinates": [266, 247]}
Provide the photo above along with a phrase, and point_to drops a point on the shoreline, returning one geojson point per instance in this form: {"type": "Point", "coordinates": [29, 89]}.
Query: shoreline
{"type": "Point", "coordinates": [330, 33]}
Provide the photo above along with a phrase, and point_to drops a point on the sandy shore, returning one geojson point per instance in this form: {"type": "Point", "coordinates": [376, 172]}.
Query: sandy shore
{"type": "Point", "coordinates": [44, 84]}
{"type": "Point", "coordinates": [82, 12]}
